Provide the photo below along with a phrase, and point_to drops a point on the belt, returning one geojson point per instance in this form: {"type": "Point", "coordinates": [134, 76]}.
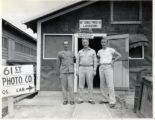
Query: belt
{"type": "Point", "coordinates": [86, 65]}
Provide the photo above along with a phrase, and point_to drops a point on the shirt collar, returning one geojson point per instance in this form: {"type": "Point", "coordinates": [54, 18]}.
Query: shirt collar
{"type": "Point", "coordinates": [87, 49]}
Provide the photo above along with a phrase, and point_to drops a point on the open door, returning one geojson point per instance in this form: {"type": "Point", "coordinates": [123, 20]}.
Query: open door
{"type": "Point", "coordinates": [121, 67]}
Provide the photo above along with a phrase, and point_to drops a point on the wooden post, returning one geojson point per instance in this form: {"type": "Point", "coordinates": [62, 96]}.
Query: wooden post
{"type": "Point", "coordinates": [11, 107]}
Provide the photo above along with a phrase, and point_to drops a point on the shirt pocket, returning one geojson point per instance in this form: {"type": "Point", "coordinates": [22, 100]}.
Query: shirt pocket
{"type": "Point", "coordinates": [90, 55]}
{"type": "Point", "coordinates": [63, 56]}
{"type": "Point", "coordinates": [81, 55]}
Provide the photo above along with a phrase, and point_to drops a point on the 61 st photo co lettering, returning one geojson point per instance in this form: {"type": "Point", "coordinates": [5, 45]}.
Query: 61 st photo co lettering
{"type": "Point", "coordinates": [17, 80]}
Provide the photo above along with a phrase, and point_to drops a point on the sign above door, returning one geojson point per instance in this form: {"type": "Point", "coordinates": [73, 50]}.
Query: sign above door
{"type": "Point", "coordinates": [90, 24]}
{"type": "Point", "coordinates": [85, 35]}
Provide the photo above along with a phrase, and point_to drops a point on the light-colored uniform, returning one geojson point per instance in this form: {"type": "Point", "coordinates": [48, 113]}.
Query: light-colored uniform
{"type": "Point", "coordinates": [66, 66]}
{"type": "Point", "coordinates": [106, 74]}
{"type": "Point", "coordinates": [86, 65]}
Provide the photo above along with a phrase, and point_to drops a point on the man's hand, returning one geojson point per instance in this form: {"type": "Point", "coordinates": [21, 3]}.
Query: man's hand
{"type": "Point", "coordinates": [94, 72]}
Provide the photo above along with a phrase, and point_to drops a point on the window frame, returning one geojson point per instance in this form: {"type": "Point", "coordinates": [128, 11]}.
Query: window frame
{"type": "Point", "coordinates": [125, 22]}
{"type": "Point", "coordinates": [131, 58]}
{"type": "Point", "coordinates": [49, 34]}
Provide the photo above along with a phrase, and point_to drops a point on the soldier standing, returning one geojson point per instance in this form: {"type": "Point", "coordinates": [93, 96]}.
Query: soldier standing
{"type": "Point", "coordinates": [66, 69]}
{"type": "Point", "coordinates": [86, 69]}
{"type": "Point", "coordinates": [106, 61]}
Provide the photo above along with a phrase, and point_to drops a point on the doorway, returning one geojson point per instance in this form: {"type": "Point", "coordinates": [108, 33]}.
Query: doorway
{"type": "Point", "coordinates": [120, 43]}
{"type": "Point", "coordinates": [94, 44]}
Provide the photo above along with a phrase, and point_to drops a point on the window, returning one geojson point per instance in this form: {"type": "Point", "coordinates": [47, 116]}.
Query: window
{"type": "Point", "coordinates": [19, 47]}
{"type": "Point", "coordinates": [126, 12]}
{"type": "Point", "coordinates": [4, 42]}
{"type": "Point", "coordinates": [52, 44]}
{"type": "Point", "coordinates": [137, 52]}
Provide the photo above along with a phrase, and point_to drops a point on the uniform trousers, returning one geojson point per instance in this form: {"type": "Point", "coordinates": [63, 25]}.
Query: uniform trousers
{"type": "Point", "coordinates": [86, 75]}
{"type": "Point", "coordinates": [106, 83]}
{"type": "Point", "coordinates": [67, 84]}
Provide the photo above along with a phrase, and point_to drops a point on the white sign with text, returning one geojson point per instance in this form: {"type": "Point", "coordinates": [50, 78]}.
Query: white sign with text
{"type": "Point", "coordinates": [17, 80]}
{"type": "Point", "coordinates": [85, 35]}
{"type": "Point", "coordinates": [90, 24]}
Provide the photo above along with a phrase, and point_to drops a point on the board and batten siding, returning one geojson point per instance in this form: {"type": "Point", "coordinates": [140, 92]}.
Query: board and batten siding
{"type": "Point", "coordinates": [10, 52]}
{"type": "Point", "coordinates": [4, 53]}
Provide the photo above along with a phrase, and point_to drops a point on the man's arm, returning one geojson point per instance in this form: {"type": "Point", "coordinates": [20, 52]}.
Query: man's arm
{"type": "Point", "coordinates": [58, 61]}
{"type": "Point", "coordinates": [118, 56]}
{"type": "Point", "coordinates": [98, 58]}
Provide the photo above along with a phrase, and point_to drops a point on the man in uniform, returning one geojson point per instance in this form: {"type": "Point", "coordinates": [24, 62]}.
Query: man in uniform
{"type": "Point", "coordinates": [86, 69]}
{"type": "Point", "coordinates": [66, 69]}
{"type": "Point", "coordinates": [106, 61]}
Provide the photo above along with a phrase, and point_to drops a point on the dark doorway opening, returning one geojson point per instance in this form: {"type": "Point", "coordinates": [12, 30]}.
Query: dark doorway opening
{"type": "Point", "coordinates": [94, 44]}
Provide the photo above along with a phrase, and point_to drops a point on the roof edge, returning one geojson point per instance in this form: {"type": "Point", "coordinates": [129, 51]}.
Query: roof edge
{"type": "Point", "coordinates": [48, 12]}
{"type": "Point", "coordinates": [18, 29]}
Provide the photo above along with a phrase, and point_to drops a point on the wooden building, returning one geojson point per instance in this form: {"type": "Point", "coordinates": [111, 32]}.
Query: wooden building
{"type": "Point", "coordinates": [16, 44]}
{"type": "Point", "coordinates": [127, 24]}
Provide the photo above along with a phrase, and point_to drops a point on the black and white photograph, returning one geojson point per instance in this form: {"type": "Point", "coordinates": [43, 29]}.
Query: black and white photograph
{"type": "Point", "coordinates": [77, 59]}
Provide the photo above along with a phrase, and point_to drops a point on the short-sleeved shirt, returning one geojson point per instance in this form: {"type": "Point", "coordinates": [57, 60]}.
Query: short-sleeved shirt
{"type": "Point", "coordinates": [66, 61]}
{"type": "Point", "coordinates": [87, 57]}
{"type": "Point", "coordinates": [106, 55]}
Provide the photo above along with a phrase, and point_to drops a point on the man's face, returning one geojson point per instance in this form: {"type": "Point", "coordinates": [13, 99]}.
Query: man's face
{"type": "Point", "coordinates": [85, 43]}
{"type": "Point", "coordinates": [66, 45]}
{"type": "Point", "coordinates": [104, 42]}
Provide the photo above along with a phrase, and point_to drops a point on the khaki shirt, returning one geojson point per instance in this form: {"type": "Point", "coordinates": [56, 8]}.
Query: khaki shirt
{"type": "Point", "coordinates": [66, 61]}
{"type": "Point", "coordinates": [87, 58]}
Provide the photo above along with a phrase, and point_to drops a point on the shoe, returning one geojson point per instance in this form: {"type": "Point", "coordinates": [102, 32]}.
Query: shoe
{"type": "Point", "coordinates": [79, 102]}
{"type": "Point", "coordinates": [91, 102]}
{"type": "Point", "coordinates": [65, 102]}
{"type": "Point", "coordinates": [112, 105]}
{"type": "Point", "coordinates": [103, 102]}
{"type": "Point", "coordinates": [72, 102]}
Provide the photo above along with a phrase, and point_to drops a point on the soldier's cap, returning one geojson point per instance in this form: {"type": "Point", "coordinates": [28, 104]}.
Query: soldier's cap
{"type": "Point", "coordinates": [66, 42]}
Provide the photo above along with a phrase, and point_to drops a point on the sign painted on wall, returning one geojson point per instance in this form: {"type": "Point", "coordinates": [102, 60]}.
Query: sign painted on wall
{"type": "Point", "coordinates": [90, 24]}
{"type": "Point", "coordinates": [17, 80]}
